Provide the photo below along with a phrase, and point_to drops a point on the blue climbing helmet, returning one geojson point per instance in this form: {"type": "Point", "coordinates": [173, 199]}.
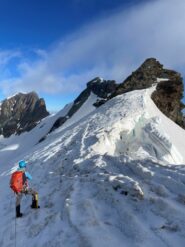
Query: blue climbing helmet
{"type": "Point", "coordinates": [22, 164]}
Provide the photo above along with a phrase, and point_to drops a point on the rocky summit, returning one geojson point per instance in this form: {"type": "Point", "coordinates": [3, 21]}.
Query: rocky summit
{"type": "Point", "coordinates": [169, 87]}
{"type": "Point", "coordinates": [21, 113]}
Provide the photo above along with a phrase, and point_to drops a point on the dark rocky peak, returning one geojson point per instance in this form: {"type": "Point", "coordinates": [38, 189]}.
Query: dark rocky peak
{"type": "Point", "coordinates": [100, 87]}
{"type": "Point", "coordinates": [169, 87]}
{"type": "Point", "coordinates": [96, 80]}
{"type": "Point", "coordinates": [143, 77]}
{"type": "Point", "coordinates": [20, 113]}
{"type": "Point", "coordinates": [149, 73]}
{"type": "Point", "coordinates": [151, 64]}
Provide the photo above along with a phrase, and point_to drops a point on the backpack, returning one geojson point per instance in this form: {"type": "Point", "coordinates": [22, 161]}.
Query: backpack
{"type": "Point", "coordinates": [17, 181]}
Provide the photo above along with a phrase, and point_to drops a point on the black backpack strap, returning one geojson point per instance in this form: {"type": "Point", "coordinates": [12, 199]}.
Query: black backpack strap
{"type": "Point", "coordinates": [24, 177]}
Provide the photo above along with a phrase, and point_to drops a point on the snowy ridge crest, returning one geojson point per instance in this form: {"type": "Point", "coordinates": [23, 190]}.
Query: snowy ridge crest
{"type": "Point", "coordinates": [136, 133]}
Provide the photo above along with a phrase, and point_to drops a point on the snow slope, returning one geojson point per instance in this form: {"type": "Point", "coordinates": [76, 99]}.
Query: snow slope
{"type": "Point", "coordinates": [115, 177]}
{"type": "Point", "coordinates": [16, 146]}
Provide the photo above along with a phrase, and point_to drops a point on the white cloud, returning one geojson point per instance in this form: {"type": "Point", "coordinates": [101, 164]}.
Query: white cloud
{"type": "Point", "coordinates": [111, 48]}
{"type": "Point", "coordinates": [7, 55]}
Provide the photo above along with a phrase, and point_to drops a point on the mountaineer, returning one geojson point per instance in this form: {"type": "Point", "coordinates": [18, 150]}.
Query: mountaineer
{"type": "Point", "coordinates": [19, 184]}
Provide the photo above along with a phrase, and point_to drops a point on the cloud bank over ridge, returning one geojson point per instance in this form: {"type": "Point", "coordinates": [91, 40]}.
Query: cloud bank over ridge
{"type": "Point", "coordinates": [110, 47]}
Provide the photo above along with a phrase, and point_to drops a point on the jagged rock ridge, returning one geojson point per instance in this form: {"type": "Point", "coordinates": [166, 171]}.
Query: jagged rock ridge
{"type": "Point", "coordinates": [169, 88]}
{"type": "Point", "coordinates": [21, 113]}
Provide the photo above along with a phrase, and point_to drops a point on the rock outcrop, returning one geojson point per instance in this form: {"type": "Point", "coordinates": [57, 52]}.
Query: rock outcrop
{"type": "Point", "coordinates": [102, 88]}
{"type": "Point", "coordinates": [167, 97]}
{"type": "Point", "coordinates": [21, 113]}
{"type": "Point", "coordinates": [169, 88]}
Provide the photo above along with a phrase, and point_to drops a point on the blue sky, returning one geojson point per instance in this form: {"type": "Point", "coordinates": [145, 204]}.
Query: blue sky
{"type": "Point", "coordinates": [39, 23]}
{"type": "Point", "coordinates": [54, 47]}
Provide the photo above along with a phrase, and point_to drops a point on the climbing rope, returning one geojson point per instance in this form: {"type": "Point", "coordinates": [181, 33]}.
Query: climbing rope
{"type": "Point", "coordinates": [15, 231]}
{"type": "Point", "coordinates": [15, 224]}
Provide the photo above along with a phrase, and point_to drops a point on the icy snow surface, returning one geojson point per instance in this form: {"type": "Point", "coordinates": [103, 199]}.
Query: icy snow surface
{"type": "Point", "coordinates": [114, 176]}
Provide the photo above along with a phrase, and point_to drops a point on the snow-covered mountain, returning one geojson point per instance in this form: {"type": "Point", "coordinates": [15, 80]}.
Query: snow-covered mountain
{"type": "Point", "coordinates": [107, 176]}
